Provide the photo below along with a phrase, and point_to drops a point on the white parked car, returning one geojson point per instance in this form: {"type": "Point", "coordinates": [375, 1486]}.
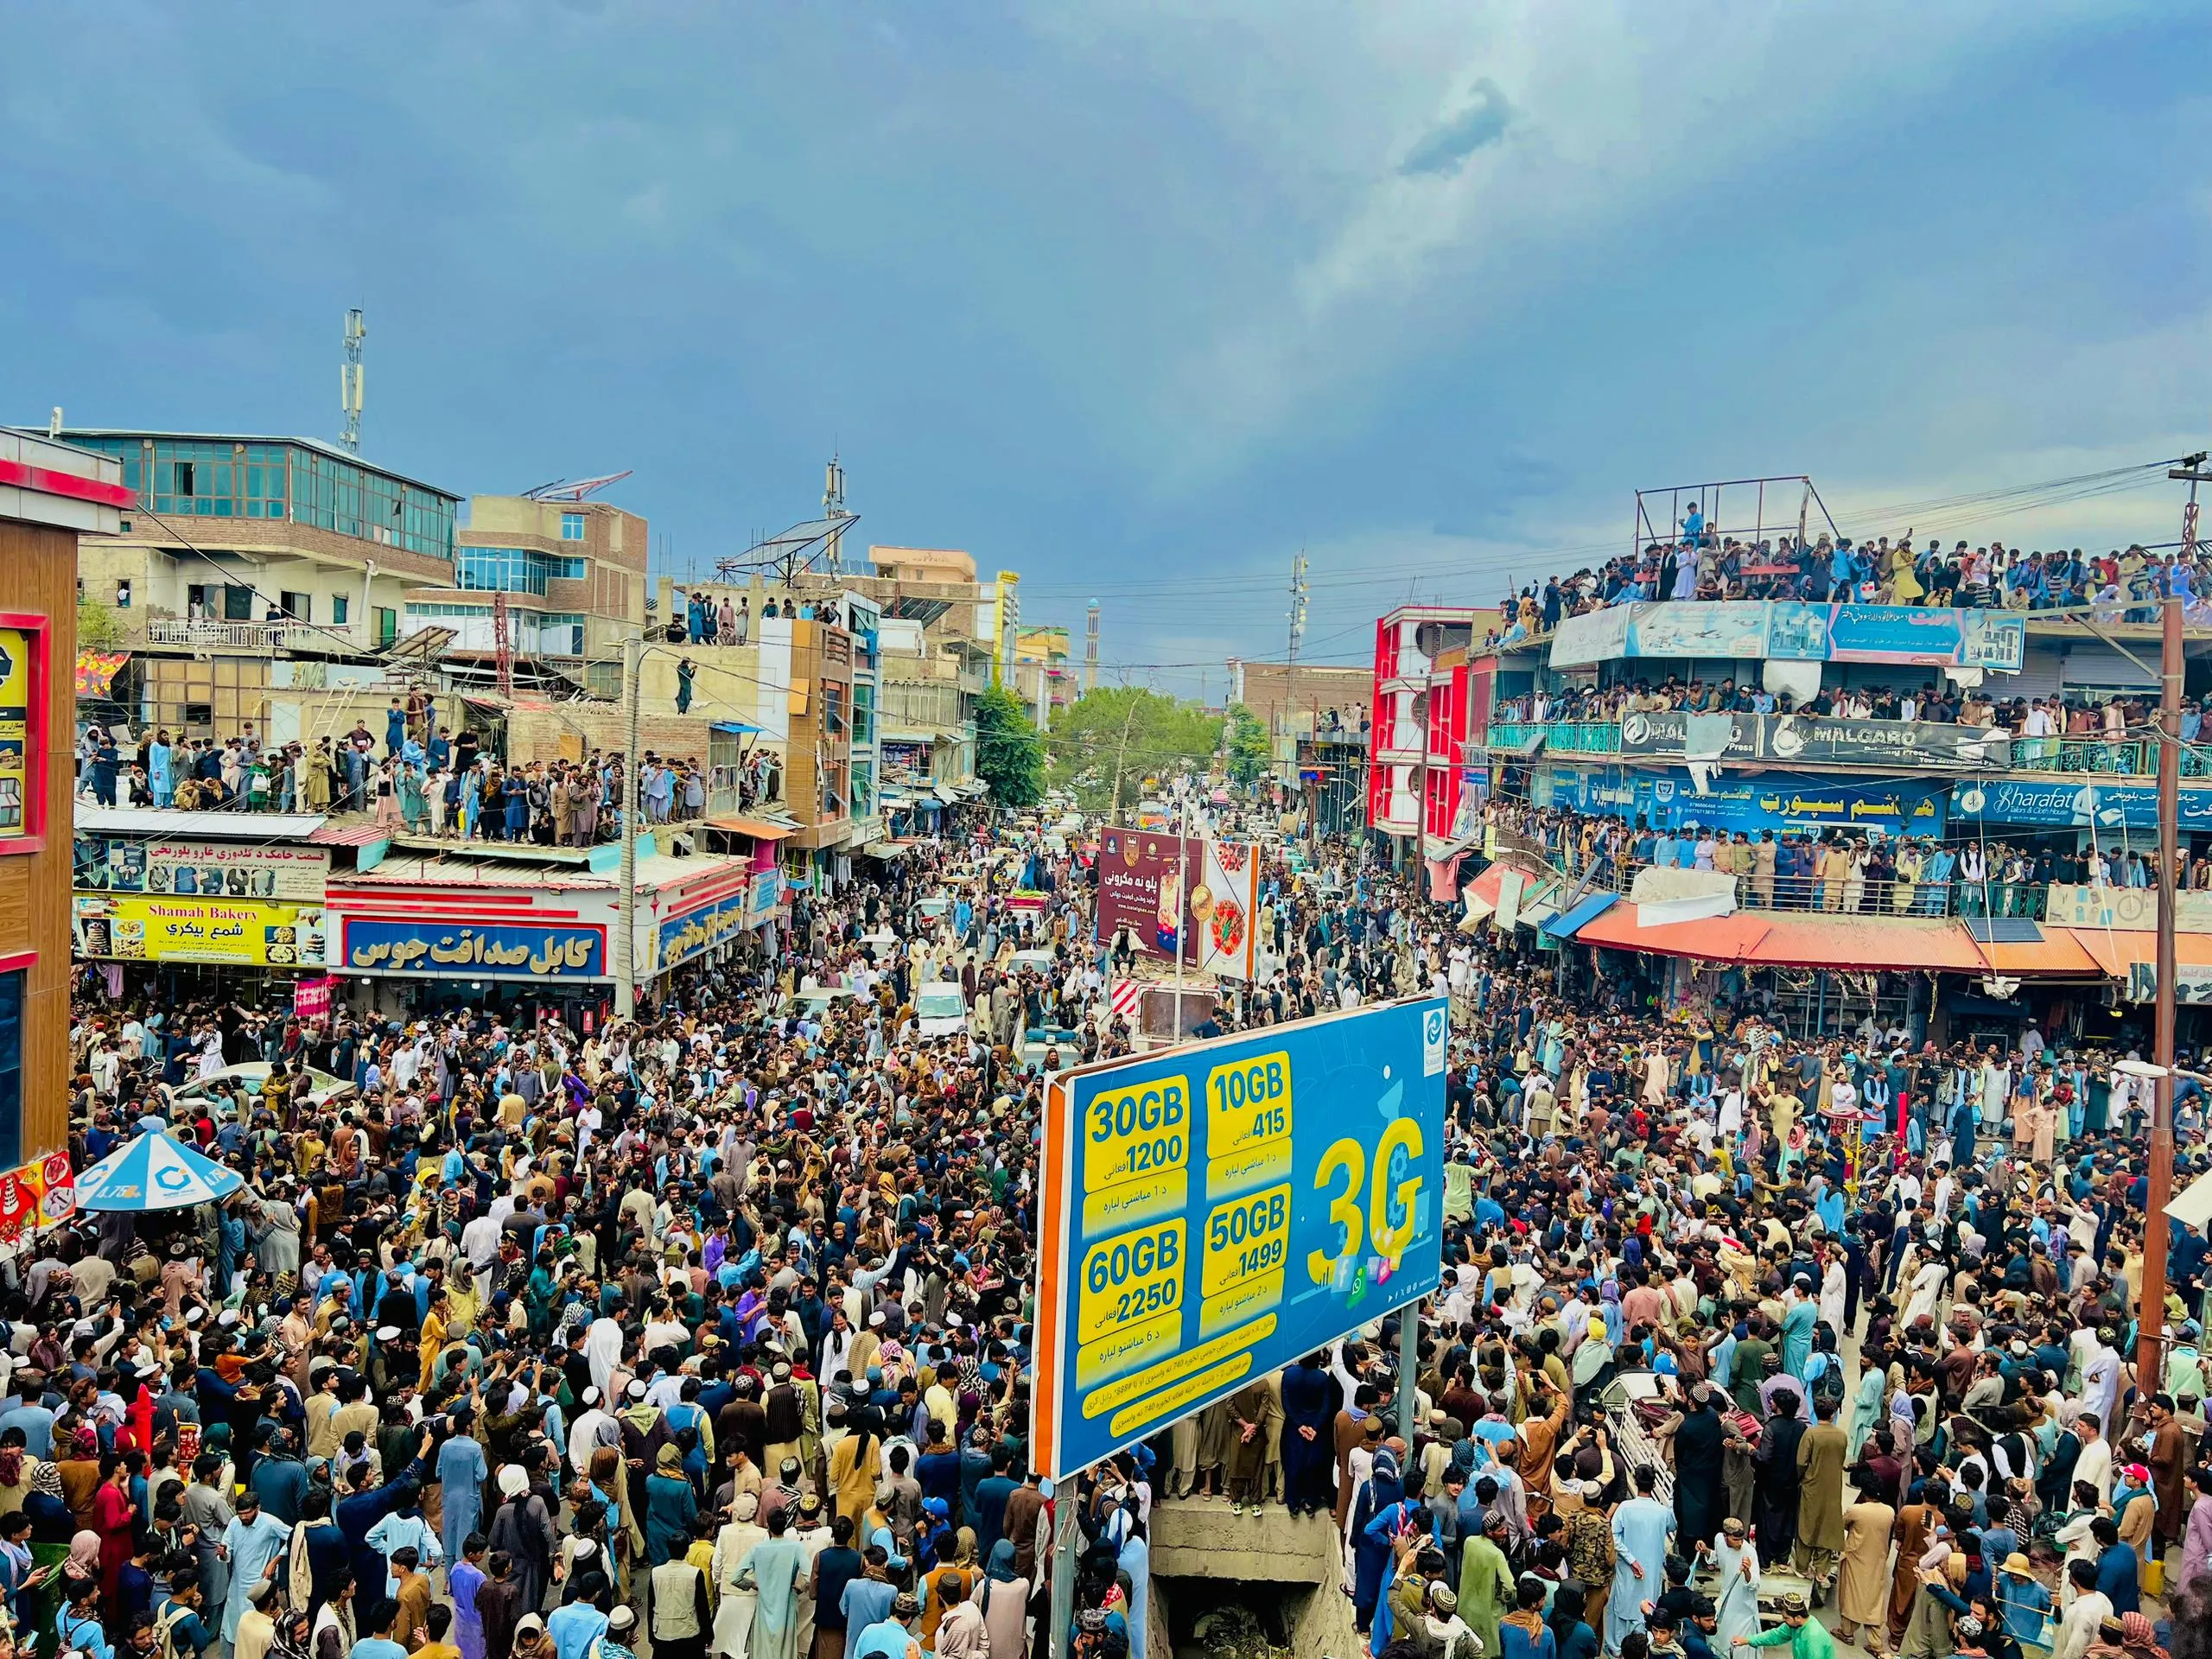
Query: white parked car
{"type": "Point", "coordinates": [941, 1009]}
{"type": "Point", "coordinates": [324, 1088]}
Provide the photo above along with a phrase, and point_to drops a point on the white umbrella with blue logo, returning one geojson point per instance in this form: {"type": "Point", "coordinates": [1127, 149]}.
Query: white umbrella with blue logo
{"type": "Point", "coordinates": [154, 1173]}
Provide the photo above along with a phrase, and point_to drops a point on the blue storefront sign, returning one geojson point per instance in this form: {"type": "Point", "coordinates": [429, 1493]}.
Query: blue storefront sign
{"type": "Point", "coordinates": [470, 952]}
{"type": "Point", "coordinates": [1791, 802]}
{"type": "Point", "coordinates": [700, 930]}
{"type": "Point", "coordinates": [2070, 803]}
{"type": "Point", "coordinates": [1212, 1213]}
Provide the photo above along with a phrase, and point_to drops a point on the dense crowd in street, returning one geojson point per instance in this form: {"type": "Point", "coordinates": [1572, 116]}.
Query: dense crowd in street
{"type": "Point", "coordinates": [708, 1333]}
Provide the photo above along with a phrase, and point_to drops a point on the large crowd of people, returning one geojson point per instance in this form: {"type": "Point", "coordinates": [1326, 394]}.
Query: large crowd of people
{"type": "Point", "coordinates": [1700, 562]}
{"type": "Point", "coordinates": [708, 1332]}
{"type": "Point", "coordinates": [425, 782]}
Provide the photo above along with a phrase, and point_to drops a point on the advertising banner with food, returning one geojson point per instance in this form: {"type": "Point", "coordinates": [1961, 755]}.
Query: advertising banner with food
{"type": "Point", "coordinates": [1212, 1213]}
{"type": "Point", "coordinates": [43, 1194]}
{"type": "Point", "coordinates": [1224, 909]}
{"type": "Point", "coordinates": [1141, 875]}
{"type": "Point", "coordinates": [115, 928]}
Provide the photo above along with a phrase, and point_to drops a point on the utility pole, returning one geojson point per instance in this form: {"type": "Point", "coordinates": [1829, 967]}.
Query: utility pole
{"type": "Point", "coordinates": [1290, 666]}
{"type": "Point", "coordinates": [2150, 1361]}
{"type": "Point", "coordinates": [1121, 754]}
{"type": "Point", "coordinates": [626, 966]}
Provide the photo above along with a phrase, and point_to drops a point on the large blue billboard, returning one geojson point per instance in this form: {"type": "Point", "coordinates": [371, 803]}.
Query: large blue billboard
{"type": "Point", "coordinates": [1214, 1212]}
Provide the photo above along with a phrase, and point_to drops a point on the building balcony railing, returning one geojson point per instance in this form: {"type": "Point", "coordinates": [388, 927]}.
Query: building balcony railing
{"type": "Point", "coordinates": [204, 633]}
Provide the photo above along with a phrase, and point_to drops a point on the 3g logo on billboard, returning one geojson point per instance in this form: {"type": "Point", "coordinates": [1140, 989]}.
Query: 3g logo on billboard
{"type": "Point", "coordinates": [1387, 1220]}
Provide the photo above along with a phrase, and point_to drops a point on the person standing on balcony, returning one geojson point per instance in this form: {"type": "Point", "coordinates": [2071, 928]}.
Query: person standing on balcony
{"type": "Point", "coordinates": [159, 776]}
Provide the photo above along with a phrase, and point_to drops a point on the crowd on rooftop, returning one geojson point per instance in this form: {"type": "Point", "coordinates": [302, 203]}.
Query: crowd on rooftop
{"type": "Point", "coordinates": [2122, 586]}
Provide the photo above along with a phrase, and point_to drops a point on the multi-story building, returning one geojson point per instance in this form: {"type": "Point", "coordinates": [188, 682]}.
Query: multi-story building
{"type": "Point", "coordinates": [50, 494]}
{"type": "Point", "coordinates": [239, 551]}
{"type": "Point", "coordinates": [1422, 693]}
{"type": "Point", "coordinates": [1042, 676]}
{"type": "Point", "coordinates": [572, 575]}
{"type": "Point", "coordinates": [1943, 812]}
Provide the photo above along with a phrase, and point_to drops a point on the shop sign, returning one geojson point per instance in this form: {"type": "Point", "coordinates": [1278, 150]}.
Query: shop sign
{"type": "Point", "coordinates": [1793, 805]}
{"type": "Point", "coordinates": [42, 1194]}
{"type": "Point", "coordinates": [763, 896]}
{"type": "Point", "coordinates": [489, 950]}
{"type": "Point", "coordinates": [187, 869]}
{"type": "Point", "coordinates": [1666, 731]}
{"type": "Point", "coordinates": [2104, 806]}
{"type": "Point", "coordinates": [122, 928]}
{"type": "Point", "coordinates": [1827, 740]}
{"type": "Point", "coordinates": [2191, 984]}
{"type": "Point", "coordinates": [701, 930]}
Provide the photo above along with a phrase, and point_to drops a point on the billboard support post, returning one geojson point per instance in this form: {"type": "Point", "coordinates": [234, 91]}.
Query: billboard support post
{"type": "Point", "coordinates": [1066, 1495]}
{"type": "Point", "coordinates": [1408, 1368]}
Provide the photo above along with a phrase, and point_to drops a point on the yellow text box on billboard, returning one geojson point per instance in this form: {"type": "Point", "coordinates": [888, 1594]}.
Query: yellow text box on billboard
{"type": "Point", "coordinates": [1130, 1134]}
{"type": "Point", "coordinates": [1245, 1239]}
{"type": "Point", "coordinates": [1176, 1367]}
{"type": "Point", "coordinates": [1248, 1103]}
{"type": "Point", "coordinates": [1129, 1278]}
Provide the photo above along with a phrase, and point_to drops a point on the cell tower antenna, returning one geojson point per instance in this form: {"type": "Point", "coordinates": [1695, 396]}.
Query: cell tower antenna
{"type": "Point", "coordinates": [349, 382]}
{"type": "Point", "coordinates": [833, 512]}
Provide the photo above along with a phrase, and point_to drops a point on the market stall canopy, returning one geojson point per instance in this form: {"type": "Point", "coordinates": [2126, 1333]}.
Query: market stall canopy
{"type": "Point", "coordinates": [2193, 1208]}
{"type": "Point", "coordinates": [154, 1173]}
{"type": "Point", "coordinates": [1570, 922]}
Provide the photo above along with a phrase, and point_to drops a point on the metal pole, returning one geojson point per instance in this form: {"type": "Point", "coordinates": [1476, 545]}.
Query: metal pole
{"type": "Point", "coordinates": [625, 967]}
{"type": "Point", "coordinates": [1408, 1368]}
{"type": "Point", "coordinates": [1066, 1494]}
{"type": "Point", "coordinates": [2150, 1320]}
{"type": "Point", "coordinates": [1182, 897]}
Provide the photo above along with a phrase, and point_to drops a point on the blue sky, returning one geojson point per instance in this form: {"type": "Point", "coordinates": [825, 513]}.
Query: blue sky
{"type": "Point", "coordinates": [1137, 300]}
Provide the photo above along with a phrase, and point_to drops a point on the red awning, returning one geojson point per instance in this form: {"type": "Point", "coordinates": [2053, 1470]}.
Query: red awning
{"type": "Point", "coordinates": [1780, 939]}
{"type": "Point", "coordinates": [758, 828]}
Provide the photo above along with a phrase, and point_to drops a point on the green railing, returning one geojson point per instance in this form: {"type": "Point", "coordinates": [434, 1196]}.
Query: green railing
{"type": "Point", "coordinates": [2123, 757]}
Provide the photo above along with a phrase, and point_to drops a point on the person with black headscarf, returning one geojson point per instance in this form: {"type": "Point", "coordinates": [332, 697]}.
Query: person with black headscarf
{"type": "Point", "coordinates": [1779, 1480]}
{"type": "Point", "coordinates": [1700, 1498]}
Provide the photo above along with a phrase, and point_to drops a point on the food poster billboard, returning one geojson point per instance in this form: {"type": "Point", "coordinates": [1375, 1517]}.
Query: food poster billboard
{"type": "Point", "coordinates": [123, 928]}
{"type": "Point", "coordinates": [201, 869]}
{"type": "Point", "coordinates": [1225, 908]}
{"type": "Point", "coordinates": [1141, 875]}
{"type": "Point", "coordinates": [1213, 1212]}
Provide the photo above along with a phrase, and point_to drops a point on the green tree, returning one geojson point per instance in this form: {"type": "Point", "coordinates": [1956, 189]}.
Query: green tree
{"type": "Point", "coordinates": [1251, 752]}
{"type": "Point", "coordinates": [1009, 749]}
{"type": "Point", "coordinates": [1108, 741]}
{"type": "Point", "coordinates": [98, 627]}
